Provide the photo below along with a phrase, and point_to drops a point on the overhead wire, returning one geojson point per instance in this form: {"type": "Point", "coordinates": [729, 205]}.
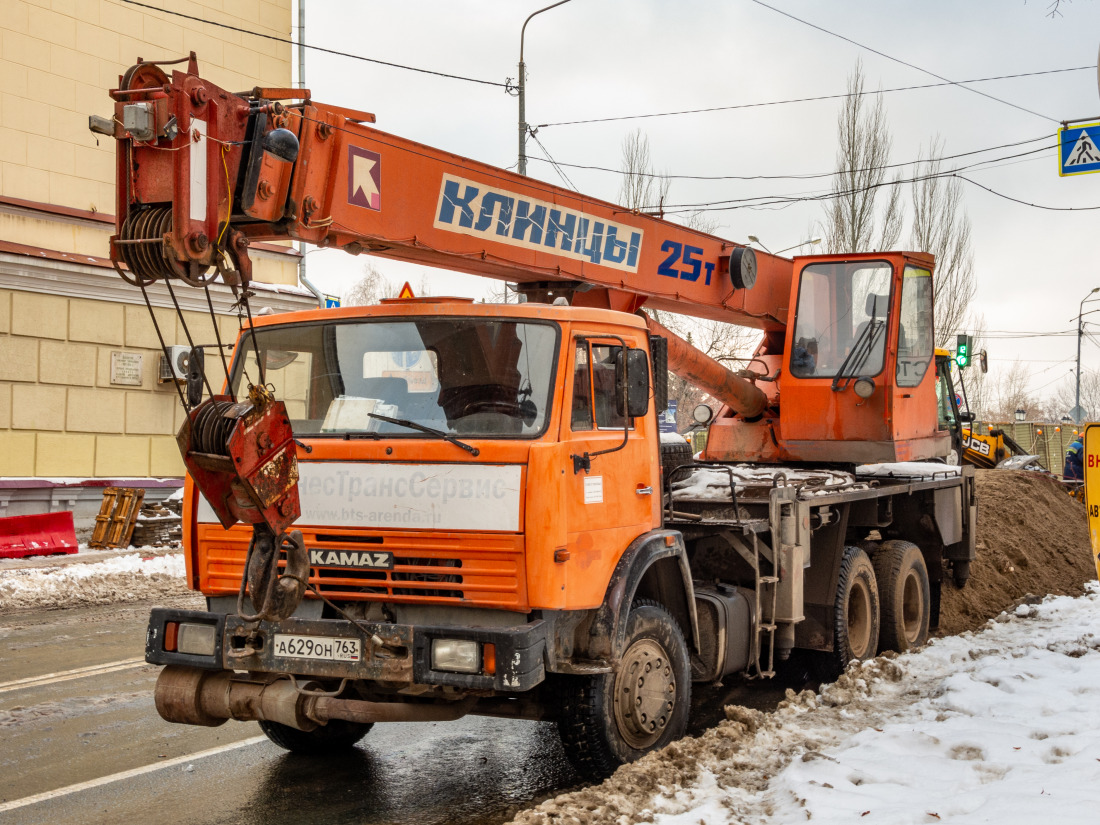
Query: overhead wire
{"type": "Point", "coordinates": [902, 62]}
{"type": "Point", "coordinates": [557, 168]}
{"type": "Point", "coordinates": [813, 99]}
{"type": "Point", "coordinates": [811, 176]}
{"type": "Point", "coordinates": [291, 42]}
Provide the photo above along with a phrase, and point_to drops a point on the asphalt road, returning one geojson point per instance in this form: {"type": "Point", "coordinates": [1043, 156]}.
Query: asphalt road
{"type": "Point", "coordinates": [83, 744]}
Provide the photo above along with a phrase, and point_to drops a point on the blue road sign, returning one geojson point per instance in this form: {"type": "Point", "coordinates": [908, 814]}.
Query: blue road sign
{"type": "Point", "coordinates": [1079, 150]}
{"type": "Point", "coordinates": [331, 302]}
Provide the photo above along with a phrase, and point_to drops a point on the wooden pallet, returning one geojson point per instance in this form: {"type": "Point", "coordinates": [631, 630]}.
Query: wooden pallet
{"type": "Point", "coordinates": [117, 514]}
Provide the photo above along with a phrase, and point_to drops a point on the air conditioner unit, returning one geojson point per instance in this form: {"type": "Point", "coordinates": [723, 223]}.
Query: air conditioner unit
{"type": "Point", "coordinates": [173, 366]}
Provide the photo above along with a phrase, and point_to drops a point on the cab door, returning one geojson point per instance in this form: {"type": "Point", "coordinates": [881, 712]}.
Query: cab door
{"type": "Point", "coordinates": [612, 498]}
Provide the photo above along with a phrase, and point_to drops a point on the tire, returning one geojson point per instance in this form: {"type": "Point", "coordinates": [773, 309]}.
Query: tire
{"type": "Point", "coordinates": [335, 736]}
{"type": "Point", "coordinates": [904, 596]}
{"type": "Point", "coordinates": [856, 613]}
{"type": "Point", "coordinates": [673, 455]}
{"type": "Point", "coordinates": [599, 733]}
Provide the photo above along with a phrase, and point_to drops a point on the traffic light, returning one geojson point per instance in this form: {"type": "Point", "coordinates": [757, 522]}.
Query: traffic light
{"type": "Point", "coordinates": [963, 348]}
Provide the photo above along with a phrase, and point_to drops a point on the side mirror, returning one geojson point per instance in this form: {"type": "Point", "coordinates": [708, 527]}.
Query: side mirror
{"type": "Point", "coordinates": [632, 382]}
{"type": "Point", "coordinates": [702, 415]}
{"type": "Point", "coordinates": [967, 417]}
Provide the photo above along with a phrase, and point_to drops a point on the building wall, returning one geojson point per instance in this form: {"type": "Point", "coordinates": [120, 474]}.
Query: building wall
{"type": "Point", "coordinates": [63, 311]}
{"type": "Point", "coordinates": [58, 59]}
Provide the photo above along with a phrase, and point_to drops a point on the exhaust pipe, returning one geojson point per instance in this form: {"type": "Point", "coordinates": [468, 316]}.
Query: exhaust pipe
{"type": "Point", "coordinates": [192, 696]}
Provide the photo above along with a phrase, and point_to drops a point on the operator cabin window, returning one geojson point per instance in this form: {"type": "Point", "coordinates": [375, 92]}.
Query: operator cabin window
{"type": "Point", "coordinates": [594, 404]}
{"type": "Point", "coordinates": [915, 336]}
{"type": "Point", "coordinates": [841, 320]}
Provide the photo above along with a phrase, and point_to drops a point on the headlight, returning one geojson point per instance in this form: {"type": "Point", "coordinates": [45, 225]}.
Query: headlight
{"type": "Point", "coordinates": [456, 655]}
{"type": "Point", "coordinates": [196, 639]}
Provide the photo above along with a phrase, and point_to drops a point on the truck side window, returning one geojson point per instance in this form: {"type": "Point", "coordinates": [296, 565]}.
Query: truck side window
{"type": "Point", "coordinates": [582, 389]}
{"type": "Point", "coordinates": [608, 416]}
{"type": "Point", "coordinates": [915, 342]}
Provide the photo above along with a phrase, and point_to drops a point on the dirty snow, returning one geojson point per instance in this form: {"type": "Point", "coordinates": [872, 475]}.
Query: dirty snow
{"type": "Point", "coordinates": [125, 578]}
{"type": "Point", "coordinates": [994, 726]}
{"type": "Point", "coordinates": [909, 469]}
{"type": "Point", "coordinates": [708, 483]}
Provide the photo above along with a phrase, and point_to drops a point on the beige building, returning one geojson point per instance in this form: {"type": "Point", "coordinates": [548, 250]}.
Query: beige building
{"type": "Point", "coordinates": [81, 395]}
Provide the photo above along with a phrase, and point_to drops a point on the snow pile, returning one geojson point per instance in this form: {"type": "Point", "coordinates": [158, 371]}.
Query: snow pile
{"type": "Point", "coordinates": [994, 726]}
{"type": "Point", "coordinates": [708, 483]}
{"type": "Point", "coordinates": [910, 469]}
{"type": "Point", "coordinates": [121, 579]}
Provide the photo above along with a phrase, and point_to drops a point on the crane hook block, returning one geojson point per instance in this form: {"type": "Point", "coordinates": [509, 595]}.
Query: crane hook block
{"type": "Point", "coordinates": [243, 459]}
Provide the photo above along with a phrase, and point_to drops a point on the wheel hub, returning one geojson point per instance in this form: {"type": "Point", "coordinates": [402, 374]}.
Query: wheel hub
{"type": "Point", "coordinates": [645, 693]}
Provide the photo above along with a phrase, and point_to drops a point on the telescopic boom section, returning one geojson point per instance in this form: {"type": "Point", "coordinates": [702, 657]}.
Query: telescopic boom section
{"type": "Point", "coordinates": [202, 172]}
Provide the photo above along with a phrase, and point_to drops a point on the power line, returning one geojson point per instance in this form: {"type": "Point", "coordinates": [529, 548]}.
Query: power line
{"type": "Point", "coordinates": [553, 162]}
{"type": "Point", "coordinates": [808, 99]}
{"type": "Point", "coordinates": [315, 48]}
{"type": "Point", "coordinates": [830, 195]}
{"type": "Point", "coordinates": [902, 62]}
{"type": "Point", "coordinates": [811, 176]}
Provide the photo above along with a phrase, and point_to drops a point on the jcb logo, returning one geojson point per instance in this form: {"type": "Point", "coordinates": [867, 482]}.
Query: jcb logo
{"type": "Point", "coordinates": [976, 445]}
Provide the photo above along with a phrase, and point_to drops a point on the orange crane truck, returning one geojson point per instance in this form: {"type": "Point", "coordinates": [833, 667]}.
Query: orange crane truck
{"type": "Point", "coordinates": [434, 507]}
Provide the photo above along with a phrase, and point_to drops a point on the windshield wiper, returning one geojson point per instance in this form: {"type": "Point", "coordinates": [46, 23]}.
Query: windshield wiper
{"type": "Point", "coordinates": [412, 425]}
{"type": "Point", "coordinates": [860, 353]}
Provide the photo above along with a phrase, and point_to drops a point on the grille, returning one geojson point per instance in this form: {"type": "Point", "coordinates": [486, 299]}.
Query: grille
{"type": "Point", "coordinates": [473, 569]}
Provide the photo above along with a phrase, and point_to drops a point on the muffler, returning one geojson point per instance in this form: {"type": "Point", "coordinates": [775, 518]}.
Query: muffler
{"type": "Point", "coordinates": [192, 696]}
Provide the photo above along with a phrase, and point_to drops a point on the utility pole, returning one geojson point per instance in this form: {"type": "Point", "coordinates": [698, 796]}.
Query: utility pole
{"type": "Point", "coordinates": [522, 87]}
{"type": "Point", "coordinates": [1080, 332]}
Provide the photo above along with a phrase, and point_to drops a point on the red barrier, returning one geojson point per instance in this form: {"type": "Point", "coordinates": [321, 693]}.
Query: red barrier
{"type": "Point", "coordinates": [43, 534]}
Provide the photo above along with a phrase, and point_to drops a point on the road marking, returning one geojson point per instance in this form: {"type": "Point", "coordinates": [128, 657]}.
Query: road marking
{"type": "Point", "coordinates": [130, 774]}
{"type": "Point", "coordinates": [66, 675]}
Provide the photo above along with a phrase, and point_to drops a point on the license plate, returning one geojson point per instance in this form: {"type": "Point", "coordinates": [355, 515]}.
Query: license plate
{"type": "Point", "coordinates": [328, 648]}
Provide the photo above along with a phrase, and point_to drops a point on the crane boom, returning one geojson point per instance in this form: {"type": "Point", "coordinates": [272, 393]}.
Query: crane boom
{"type": "Point", "coordinates": [246, 168]}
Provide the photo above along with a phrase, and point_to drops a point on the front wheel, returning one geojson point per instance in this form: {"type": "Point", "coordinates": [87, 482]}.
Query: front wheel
{"type": "Point", "coordinates": [335, 736]}
{"type": "Point", "coordinates": [614, 718]}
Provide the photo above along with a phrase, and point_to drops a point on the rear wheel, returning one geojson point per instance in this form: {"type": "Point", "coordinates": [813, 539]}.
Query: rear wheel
{"type": "Point", "coordinates": [856, 613]}
{"type": "Point", "coordinates": [337, 735]}
{"type": "Point", "coordinates": [614, 718]}
{"type": "Point", "coordinates": [904, 596]}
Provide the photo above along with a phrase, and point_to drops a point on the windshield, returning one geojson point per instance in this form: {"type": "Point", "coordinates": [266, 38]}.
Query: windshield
{"type": "Point", "coordinates": [843, 310]}
{"type": "Point", "coordinates": [461, 376]}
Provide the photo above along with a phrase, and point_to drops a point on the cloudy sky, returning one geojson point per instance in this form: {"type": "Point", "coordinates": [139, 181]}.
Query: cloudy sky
{"type": "Point", "coordinates": [591, 59]}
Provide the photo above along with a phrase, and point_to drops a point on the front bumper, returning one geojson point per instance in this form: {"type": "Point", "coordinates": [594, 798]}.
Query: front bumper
{"type": "Point", "coordinates": [391, 653]}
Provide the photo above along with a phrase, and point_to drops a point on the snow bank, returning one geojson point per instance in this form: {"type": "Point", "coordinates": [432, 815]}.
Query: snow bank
{"type": "Point", "coordinates": [995, 726]}
{"type": "Point", "coordinates": [121, 579]}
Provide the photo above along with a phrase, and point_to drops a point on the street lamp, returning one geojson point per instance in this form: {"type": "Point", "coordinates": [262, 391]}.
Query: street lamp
{"type": "Point", "coordinates": [1080, 332]}
{"type": "Point", "coordinates": [1020, 415]}
{"type": "Point", "coordinates": [522, 166]}
{"type": "Point", "coordinates": [754, 239]}
{"type": "Point", "coordinates": [814, 242]}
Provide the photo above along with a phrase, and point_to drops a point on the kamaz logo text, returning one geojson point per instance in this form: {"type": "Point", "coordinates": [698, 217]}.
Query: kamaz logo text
{"type": "Point", "coordinates": [352, 558]}
{"type": "Point", "coordinates": [495, 214]}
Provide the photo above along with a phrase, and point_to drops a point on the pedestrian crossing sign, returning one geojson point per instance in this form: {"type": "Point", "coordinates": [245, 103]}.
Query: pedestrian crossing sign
{"type": "Point", "coordinates": [1079, 149]}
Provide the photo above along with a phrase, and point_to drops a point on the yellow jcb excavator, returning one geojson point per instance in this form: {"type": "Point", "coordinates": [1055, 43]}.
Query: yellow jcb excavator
{"type": "Point", "coordinates": [996, 448]}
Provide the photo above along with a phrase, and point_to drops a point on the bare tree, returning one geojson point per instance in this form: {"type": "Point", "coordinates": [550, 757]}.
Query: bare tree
{"type": "Point", "coordinates": [371, 288]}
{"type": "Point", "coordinates": [1065, 397]}
{"type": "Point", "coordinates": [853, 220]}
{"type": "Point", "coordinates": [1010, 393]}
{"type": "Point", "coordinates": [642, 188]}
{"type": "Point", "coordinates": [942, 227]}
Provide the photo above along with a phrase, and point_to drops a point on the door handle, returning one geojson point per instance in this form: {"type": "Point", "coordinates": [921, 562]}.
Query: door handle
{"type": "Point", "coordinates": [644, 491]}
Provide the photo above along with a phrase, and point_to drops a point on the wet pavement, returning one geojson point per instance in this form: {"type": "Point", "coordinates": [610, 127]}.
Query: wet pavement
{"type": "Point", "coordinates": [81, 729]}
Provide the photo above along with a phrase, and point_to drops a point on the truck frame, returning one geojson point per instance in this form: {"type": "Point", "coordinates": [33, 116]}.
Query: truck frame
{"type": "Point", "coordinates": [486, 518]}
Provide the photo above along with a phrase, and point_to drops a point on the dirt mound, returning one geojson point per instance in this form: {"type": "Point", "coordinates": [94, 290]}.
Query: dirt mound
{"type": "Point", "coordinates": [1032, 538]}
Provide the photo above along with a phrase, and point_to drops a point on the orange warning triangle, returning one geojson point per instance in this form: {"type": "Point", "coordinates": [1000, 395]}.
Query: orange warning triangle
{"type": "Point", "coordinates": [406, 291]}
